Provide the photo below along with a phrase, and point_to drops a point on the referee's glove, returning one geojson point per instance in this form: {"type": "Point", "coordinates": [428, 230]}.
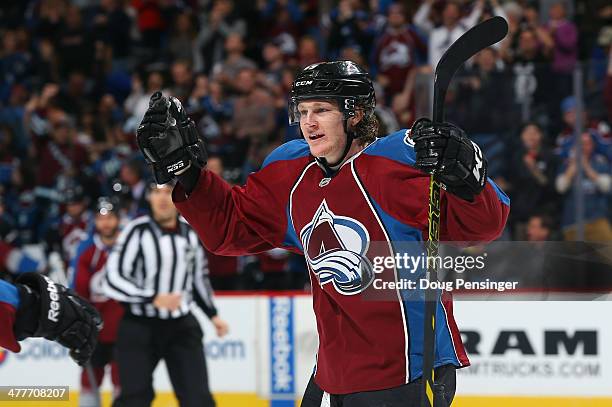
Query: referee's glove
{"type": "Point", "coordinates": [169, 140]}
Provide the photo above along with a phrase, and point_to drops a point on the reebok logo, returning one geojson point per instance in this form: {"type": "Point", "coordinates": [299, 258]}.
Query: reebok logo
{"type": "Point", "coordinates": [303, 83]}
{"type": "Point", "coordinates": [478, 161]}
{"type": "Point", "coordinates": [54, 306]}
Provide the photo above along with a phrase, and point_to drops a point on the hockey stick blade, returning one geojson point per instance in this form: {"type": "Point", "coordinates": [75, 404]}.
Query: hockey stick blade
{"type": "Point", "coordinates": [474, 40]}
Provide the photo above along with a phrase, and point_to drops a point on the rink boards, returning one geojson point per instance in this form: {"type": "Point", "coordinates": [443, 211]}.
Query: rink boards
{"type": "Point", "coordinates": [522, 353]}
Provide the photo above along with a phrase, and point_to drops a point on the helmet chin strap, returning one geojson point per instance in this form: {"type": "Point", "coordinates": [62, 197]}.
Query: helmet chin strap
{"type": "Point", "coordinates": [330, 169]}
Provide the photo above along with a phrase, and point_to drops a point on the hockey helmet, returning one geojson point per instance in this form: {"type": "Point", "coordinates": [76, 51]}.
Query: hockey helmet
{"type": "Point", "coordinates": [74, 194]}
{"type": "Point", "coordinates": [107, 206]}
{"type": "Point", "coordinates": [343, 81]}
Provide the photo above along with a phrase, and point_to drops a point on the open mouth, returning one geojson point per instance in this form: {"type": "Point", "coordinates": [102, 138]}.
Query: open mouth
{"type": "Point", "coordinates": [316, 136]}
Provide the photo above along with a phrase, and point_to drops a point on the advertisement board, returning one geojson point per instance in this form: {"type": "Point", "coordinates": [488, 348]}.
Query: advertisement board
{"type": "Point", "coordinates": [531, 348]}
{"type": "Point", "coordinates": [535, 350]}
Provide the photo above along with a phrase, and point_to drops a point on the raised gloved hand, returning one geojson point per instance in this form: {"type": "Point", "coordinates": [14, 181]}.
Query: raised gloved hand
{"type": "Point", "coordinates": [445, 150]}
{"type": "Point", "coordinates": [169, 140]}
{"type": "Point", "coordinates": [54, 312]}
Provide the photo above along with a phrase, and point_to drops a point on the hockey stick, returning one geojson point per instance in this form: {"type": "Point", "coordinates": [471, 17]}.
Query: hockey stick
{"type": "Point", "coordinates": [474, 40]}
{"type": "Point", "coordinates": [93, 384]}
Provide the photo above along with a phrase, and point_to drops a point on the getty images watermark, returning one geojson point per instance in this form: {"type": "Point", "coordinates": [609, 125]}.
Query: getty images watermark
{"type": "Point", "coordinates": [416, 265]}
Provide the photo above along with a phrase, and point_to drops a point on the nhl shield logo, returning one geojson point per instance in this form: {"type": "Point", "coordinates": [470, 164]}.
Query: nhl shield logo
{"type": "Point", "coordinates": [335, 248]}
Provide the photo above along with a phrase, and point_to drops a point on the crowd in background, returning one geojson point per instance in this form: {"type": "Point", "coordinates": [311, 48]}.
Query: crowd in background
{"type": "Point", "coordinates": [76, 77]}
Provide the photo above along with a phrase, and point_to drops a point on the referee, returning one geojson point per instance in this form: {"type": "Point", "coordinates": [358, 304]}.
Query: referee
{"type": "Point", "coordinates": [156, 269]}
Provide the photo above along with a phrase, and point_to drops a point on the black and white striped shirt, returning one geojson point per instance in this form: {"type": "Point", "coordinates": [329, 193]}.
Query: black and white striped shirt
{"type": "Point", "coordinates": [148, 260]}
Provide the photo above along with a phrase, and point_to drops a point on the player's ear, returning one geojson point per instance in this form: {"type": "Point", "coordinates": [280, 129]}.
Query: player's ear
{"type": "Point", "coordinates": [356, 118]}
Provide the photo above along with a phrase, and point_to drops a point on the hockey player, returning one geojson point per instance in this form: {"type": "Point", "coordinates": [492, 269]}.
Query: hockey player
{"type": "Point", "coordinates": [37, 307]}
{"type": "Point", "coordinates": [88, 278]}
{"type": "Point", "coordinates": [332, 196]}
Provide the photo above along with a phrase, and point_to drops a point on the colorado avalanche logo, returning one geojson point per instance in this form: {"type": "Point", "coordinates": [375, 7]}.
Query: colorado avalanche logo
{"type": "Point", "coordinates": [335, 248]}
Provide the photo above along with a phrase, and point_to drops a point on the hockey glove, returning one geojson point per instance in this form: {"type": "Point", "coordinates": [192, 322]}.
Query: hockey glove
{"type": "Point", "coordinates": [445, 150]}
{"type": "Point", "coordinates": [169, 140]}
{"type": "Point", "coordinates": [54, 312]}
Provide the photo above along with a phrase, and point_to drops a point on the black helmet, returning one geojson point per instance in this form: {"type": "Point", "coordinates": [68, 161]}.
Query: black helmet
{"type": "Point", "coordinates": [73, 194]}
{"type": "Point", "coordinates": [343, 81]}
{"type": "Point", "coordinates": [107, 206]}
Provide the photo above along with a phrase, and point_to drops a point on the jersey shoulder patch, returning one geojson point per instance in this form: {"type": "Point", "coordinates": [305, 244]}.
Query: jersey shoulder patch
{"type": "Point", "coordinates": [396, 146]}
{"type": "Point", "coordinates": [289, 151]}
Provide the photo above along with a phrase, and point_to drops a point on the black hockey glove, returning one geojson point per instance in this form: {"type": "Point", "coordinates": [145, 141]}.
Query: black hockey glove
{"type": "Point", "coordinates": [54, 312]}
{"type": "Point", "coordinates": [445, 150]}
{"type": "Point", "coordinates": [169, 140]}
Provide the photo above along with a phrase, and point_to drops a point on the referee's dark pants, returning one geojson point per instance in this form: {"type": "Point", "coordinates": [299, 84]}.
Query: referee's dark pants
{"type": "Point", "coordinates": [142, 342]}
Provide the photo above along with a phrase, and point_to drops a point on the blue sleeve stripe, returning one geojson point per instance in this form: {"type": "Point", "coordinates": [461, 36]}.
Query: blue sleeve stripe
{"type": "Point", "coordinates": [396, 146]}
{"type": "Point", "coordinates": [291, 238]}
{"type": "Point", "coordinates": [500, 194]}
{"type": "Point", "coordinates": [288, 151]}
{"type": "Point", "coordinates": [9, 294]}
{"type": "Point", "coordinates": [399, 147]}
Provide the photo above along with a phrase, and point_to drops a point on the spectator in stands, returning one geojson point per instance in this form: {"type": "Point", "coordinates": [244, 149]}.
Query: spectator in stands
{"type": "Point", "coordinates": [15, 61]}
{"type": "Point", "coordinates": [152, 26]}
{"type": "Point", "coordinates": [46, 62]}
{"type": "Point", "coordinates": [112, 26]}
{"type": "Point", "coordinates": [280, 21]}
{"type": "Point", "coordinates": [521, 19]}
{"type": "Point", "coordinates": [226, 72]}
{"type": "Point", "coordinates": [540, 228]}
{"type": "Point", "coordinates": [138, 101]}
{"type": "Point", "coordinates": [348, 26]}
{"type": "Point", "coordinates": [565, 51]}
{"type": "Point", "coordinates": [596, 183]}
{"type": "Point", "coordinates": [453, 26]}
{"type": "Point", "coordinates": [215, 27]}
{"type": "Point", "coordinates": [308, 52]}
{"type": "Point", "coordinates": [74, 98]}
{"type": "Point", "coordinates": [12, 130]}
{"type": "Point", "coordinates": [396, 51]}
{"type": "Point", "coordinates": [532, 178]}
{"type": "Point", "coordinates": [182, 80]}
{"type": "Point", "coordinates": [273, 65]}
{"type": "Point", "coordinates": [182, 36]}
{"type": "Point", "coordinates": [133, 178]}
{"type": "Point", "coordinates": [59, 154]}
{"type": "Point", "coordinates": [533, 84]}
{"type": "Point", "coordinates": [254, 112]}
{"type": "Point", "coordinates": [216, 104]}
{"type": "Point", "coordinates": [608, 85]}
{"type": "Point", "coordinates": [485, 88]}
{"type": "Point", "coordinates": [75, 223]}
{"type": "Point", "coordinates": [601, 128]}
{"type": "Point", "coordinates": [74, 44]}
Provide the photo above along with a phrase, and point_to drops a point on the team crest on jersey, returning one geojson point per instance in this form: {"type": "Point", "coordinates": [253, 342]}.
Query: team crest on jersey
{"type": "Point", "coordinates": [335, 248]}
{"type": "Point", "coordinates": [407, 139]}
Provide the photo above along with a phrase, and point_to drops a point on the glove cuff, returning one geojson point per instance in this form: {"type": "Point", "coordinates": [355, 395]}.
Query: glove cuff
{"type": "Point", "coordinates": [45, 306]}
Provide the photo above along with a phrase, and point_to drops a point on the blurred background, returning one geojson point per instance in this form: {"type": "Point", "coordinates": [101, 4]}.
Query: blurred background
{"type": "Point", "coordinates": [76, 77]}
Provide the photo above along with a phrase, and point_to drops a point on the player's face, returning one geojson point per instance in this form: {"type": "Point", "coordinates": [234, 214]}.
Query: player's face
{"type": "Point", "coordinates": [107, 225]}
{"type": "Point", "coordinates": [321, 124]}
{"type": "Point", "coordinates": [162, 206]}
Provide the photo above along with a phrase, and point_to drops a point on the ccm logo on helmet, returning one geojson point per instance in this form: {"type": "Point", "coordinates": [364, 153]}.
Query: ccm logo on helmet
{"type": "Point", "coordinates": [303, 83]}
{"type": "Point", "coordinates": [54, 306]}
